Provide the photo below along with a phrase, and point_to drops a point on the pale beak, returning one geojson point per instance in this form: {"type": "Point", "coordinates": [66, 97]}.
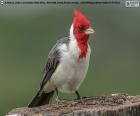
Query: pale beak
{"type": "Point", "coordinates": [89, 31]}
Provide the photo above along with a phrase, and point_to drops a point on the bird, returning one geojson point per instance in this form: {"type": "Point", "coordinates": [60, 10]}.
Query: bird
{"type": "Point", "coordinates": [67, 62]}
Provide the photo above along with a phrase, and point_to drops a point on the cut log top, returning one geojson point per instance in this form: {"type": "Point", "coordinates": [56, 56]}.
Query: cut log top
{"type": "Point", "coordinates": [114, 105]}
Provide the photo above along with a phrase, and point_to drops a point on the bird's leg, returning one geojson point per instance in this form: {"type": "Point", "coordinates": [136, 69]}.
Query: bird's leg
{"type": "Point", "coordinates": [78, 95]}
{"type": "Point", "coordinates": [57, 97]}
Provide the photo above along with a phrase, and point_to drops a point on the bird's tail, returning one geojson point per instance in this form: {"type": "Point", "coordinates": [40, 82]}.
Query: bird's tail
{"type": "Point", "coordinates": [41, 98]}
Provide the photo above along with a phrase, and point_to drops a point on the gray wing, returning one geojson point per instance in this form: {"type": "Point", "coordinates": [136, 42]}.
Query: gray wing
{"type": "Point", "coordinates": [53, 61]}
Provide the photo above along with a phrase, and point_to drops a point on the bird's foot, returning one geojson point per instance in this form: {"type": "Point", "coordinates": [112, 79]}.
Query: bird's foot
{"type": "Point", "coordinates": [57, 100]}
{"type": "Point", "coordinates": [81, 101]}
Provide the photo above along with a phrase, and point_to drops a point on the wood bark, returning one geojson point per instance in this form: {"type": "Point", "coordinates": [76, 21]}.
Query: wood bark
{"type": "Point", "coordinates": [114, 105]}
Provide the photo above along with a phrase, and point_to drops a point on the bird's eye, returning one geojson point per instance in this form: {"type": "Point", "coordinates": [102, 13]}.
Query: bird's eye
{"type": "Point", "coordinates": [81, 28]}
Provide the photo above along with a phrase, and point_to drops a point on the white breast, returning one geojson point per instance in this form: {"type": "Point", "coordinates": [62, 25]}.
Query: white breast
{"type": "Point", "coordinates": [77, 69]}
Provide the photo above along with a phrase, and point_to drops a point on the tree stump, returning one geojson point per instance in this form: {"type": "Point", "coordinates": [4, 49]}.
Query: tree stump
{"type": "Point", "coordinates": [114, 105]}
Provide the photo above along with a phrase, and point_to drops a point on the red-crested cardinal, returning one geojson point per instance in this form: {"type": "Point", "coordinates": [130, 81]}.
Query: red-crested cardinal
{"type": "Point", "coordinates": [67, 63]}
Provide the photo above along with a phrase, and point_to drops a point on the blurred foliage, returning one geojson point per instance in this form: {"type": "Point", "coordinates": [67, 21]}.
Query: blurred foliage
{"type": "Point", "coordinates": [28, 33]}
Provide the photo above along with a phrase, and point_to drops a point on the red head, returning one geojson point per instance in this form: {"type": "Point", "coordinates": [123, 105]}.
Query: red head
{"type": "Point", "coordinates": [82, 31]}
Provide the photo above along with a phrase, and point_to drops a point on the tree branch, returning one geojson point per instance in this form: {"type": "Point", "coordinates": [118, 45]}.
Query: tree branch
{"type": "Point", "coordinates": [114, 105]}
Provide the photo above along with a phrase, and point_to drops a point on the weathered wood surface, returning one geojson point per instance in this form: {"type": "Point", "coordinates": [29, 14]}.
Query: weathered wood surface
{"type": "Point", "coordinates": [115, 105]}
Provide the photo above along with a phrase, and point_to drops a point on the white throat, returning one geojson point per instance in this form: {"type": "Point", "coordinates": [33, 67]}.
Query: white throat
{"type": "Point", "coordinates": [71, 34]}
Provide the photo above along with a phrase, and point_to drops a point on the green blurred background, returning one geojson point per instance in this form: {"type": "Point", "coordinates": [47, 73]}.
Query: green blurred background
{"type": "Point", "coordinates": [27, 33]}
